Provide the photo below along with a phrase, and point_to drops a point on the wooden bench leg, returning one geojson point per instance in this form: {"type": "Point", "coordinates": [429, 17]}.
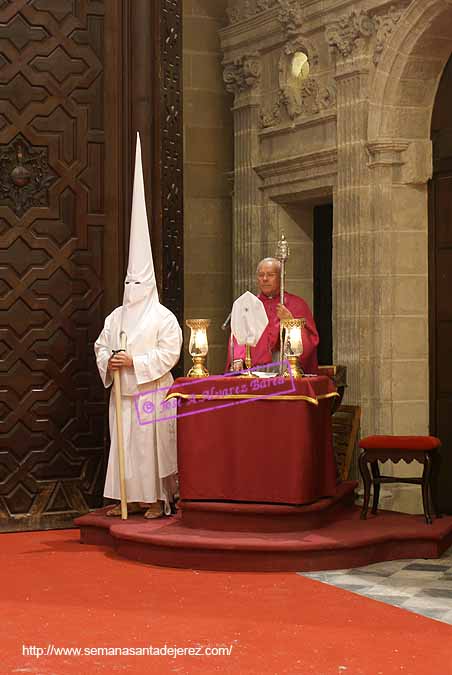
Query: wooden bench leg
{"type": "Point", "coordinates": [436, 465]}
{"type": "Point", "coordinates": [376, 481]}
{"type": "Point", "coordinates": [426, 479]}
{"type": "Point", "coordinates": [365, 474]}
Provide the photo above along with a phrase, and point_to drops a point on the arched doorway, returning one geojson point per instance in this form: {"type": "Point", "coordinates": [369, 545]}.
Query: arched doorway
{"type": "Point", "coordinates": [404, 90]}
{"type": "Point", "coordinates": [440, 277]}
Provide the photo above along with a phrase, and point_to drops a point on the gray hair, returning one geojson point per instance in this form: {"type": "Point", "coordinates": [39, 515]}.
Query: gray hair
{"type": "Point", "coordinates": [274, 261]}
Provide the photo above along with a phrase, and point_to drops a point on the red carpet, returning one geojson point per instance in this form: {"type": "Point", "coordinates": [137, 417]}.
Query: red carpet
{"type": "Point", "coordinates": [56, 591]}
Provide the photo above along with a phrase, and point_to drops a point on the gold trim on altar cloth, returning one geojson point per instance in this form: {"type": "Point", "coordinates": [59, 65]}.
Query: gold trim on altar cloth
{"type": "Point", "coordinates": [286, 397]}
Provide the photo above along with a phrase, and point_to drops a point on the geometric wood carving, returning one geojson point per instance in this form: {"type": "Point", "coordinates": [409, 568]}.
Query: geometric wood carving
{"type": "Point", "coordinates": [52, 226]}
{"type": "Point", "coordinates": [59, 68]}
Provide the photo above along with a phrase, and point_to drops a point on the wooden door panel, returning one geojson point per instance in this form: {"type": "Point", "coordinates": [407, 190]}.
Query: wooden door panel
{"type": "Point", "coordinates": [74, 89]}
{"type": "Point", "coordinates": [440, 274]}
{"type": "Point", "coordinates": [52, 210]}
{"type": "Point", "coordinates": [441, 330]}
{"type": "Point", "coordinates": [443, 186]}
{"type": "Point", "coordinates": [444, 342]}
{"type": "Point", "coordinates": [444, 281]}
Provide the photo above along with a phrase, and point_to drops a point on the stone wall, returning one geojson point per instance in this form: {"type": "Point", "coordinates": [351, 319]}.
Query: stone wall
{"type": "Point", "coordinates": [208, 163]}
{"type": "Point", "coordinates": [357, 130]}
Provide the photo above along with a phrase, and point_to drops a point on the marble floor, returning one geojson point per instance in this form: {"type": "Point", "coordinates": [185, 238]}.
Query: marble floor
{"type": "Point", "coordinates": [420, 586]}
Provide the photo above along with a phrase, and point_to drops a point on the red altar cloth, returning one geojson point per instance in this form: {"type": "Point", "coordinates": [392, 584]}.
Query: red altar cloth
{"type": "Point", "coordinates": [273, 449]}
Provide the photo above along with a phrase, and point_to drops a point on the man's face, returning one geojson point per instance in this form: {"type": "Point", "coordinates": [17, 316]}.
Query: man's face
{"type": "Point", "coordinates": [268, 278]}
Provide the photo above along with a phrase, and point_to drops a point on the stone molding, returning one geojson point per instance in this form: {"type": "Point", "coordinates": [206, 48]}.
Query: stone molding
{"type": "Point", "coordinates": [388, 152]}
{"type": "Point", "coordinates": [303, 121]}
{"type": "Point", "coordinates": [314, 172]}
{"type": "Point", "coordinates": [289, 12]}
{"type": "Point", "coordinates": [243, 74]}
{"type": "Point", "coordinates": [413, 159]}
{"type": "Point", "coordinates": [241, 10]}
{"type": "Point", "coordinates": [289, 165]}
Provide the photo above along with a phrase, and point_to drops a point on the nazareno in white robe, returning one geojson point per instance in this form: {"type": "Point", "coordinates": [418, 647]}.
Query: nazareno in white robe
{"type": "Point", "coordinates": [150, 449]}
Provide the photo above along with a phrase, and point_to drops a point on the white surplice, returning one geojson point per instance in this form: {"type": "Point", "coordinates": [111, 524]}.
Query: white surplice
{"type": "Point", "coordinates": [150, 448]}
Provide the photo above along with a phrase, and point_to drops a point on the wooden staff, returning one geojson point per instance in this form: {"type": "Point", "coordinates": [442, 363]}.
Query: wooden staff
{"type": "Point", "coordinates": [282, 254]}
{"type": "Point", "coordinates": [120, 432]}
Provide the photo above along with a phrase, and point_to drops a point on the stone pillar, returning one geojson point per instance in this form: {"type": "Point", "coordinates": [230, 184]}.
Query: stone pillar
{"type": "Point", "coordinates": [208, 163]}
{"type": "Point", "coordinates": [352, 293]}
{"type": "Point", "coordinates": [399, 236]}
{"type": "Point", "coordinates": [242, 77]}
{"type": "Point", "coordinates": [351, 214]}
{"type": "Point", "coordinates": [380, 300]}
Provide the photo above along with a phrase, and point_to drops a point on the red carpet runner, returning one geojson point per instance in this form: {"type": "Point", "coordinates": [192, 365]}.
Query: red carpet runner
{"type": "Point", "coordinates": [58, 592]}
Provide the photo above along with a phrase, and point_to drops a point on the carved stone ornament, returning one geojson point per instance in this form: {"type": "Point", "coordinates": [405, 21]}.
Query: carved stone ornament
{"type": "Point", "coordinates": [242, 74]}
{"type": "Point", "coordinates": [289, 12]}
{"type": "Point", "coordinates": [241, 10]}
{"type": "Point", "coordinates": [348, 33]}
{"type": "Point", "coordinates": [384, 25]}
{"type": "Point", "coordinates": [327, 97]}
{"type": "Point", "coordinates": [297, 96]}
{"type": "Point", "coordinates": [301, 100]}
{"type": "Point", "coordinates": [25, 176]}
{"type": "Point", "coordinates": [308, 99]}
{"type": "Point", "coordinates": [271, 114]}
{"type": "Point", "coordinates": [290, 16]}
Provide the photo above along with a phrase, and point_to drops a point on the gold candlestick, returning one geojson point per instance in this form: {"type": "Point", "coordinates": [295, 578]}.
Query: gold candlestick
{"type": "Point", "coordinates": [293, 346]}
{"type": "Point", "coordinates": [198, 346]}
{"type": "Point", "coordinates": [248, 357]}
{"type": "Point", "coordinates": [282, 254]}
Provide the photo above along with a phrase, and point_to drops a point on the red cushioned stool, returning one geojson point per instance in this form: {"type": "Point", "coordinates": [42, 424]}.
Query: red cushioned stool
{"type": "Point", "coordinates": [423, 449]}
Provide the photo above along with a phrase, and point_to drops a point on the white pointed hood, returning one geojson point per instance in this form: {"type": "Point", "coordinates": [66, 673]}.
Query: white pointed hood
{"type": "Point", "coordinates": [140, 289]}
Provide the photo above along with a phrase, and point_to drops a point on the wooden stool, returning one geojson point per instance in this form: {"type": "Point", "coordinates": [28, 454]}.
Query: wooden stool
{"type": "Point", "coordinates": [423, 449]}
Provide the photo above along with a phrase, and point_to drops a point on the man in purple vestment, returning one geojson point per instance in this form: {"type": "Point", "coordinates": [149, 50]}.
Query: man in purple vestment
{"type": "Point", "coordinates": [294, 307]}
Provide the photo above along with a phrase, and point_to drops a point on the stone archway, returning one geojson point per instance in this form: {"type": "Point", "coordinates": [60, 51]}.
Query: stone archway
{"type": "Point", "coordinates": [401, 102]}
{"type": "Point", "coordinates": [399, 108]}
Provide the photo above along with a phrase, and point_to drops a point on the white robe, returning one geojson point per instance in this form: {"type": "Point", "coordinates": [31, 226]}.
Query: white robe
{"type": "Point", "coordinates": [150, 449]}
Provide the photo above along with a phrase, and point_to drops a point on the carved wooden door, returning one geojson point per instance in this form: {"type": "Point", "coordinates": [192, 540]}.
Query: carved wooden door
{"type": "Point", "coordinates": [65, 176]}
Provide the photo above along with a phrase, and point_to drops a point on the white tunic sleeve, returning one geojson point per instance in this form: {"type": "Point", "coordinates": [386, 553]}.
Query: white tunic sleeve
{"type": "Point", "coordinates": [160, 359]}
{"type": "Point", "coordinates": [102, 350]}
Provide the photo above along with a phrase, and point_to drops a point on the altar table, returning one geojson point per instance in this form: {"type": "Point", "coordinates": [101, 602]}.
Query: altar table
{"type": "Point", "coordinates": [271, 443]}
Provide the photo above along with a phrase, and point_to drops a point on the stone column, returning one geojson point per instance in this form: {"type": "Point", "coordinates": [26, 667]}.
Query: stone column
{"type": "Point", "coordinates": [380, 258]}
{"type": "Point", "coordinates": [399, 233]}
{"type": "Point", "coordinates": [352, 292]}
{"type": "Point", "coordinates": [242, 78]}
{"type": "Point", "coordinates": [208, 162]}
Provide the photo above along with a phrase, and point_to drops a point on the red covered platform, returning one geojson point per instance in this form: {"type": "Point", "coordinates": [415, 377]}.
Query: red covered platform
{"type": "Point", "coordinates": [263, 537]}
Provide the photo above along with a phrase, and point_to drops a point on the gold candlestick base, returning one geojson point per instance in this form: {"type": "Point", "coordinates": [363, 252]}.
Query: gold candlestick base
{"type": "Point", "coordinates": [294, 370]}
{"type": "Point", "coordinates": [199, 368]}
{"type": "Point", "coordinates": [248, 362]}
